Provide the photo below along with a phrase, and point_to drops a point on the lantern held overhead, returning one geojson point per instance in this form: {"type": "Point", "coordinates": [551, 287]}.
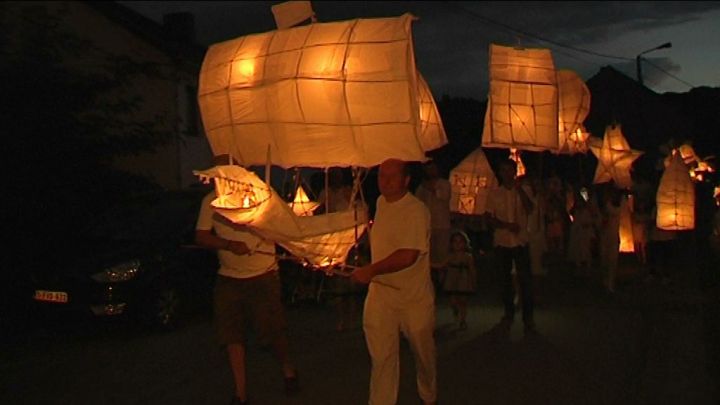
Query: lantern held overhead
{"type": "Point", "coordinates": [342, 94]}
{"type": "Point", "coordinates": [522, 109]}
{"type": "Point", "coordinates": [676, 197]}
{"type": "Point", "coordinates": [574, 106]}
{"type": "Point", "coordinates": [615, 158]}
{"type": "Point", "coordinates": [471, 181]}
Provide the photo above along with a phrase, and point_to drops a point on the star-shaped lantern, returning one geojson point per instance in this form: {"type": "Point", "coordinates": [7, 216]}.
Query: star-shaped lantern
{"type": "Point", "coordinates": [614, 158]}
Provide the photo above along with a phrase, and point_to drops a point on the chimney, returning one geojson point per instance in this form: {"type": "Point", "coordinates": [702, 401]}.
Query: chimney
{"type": "Point", "coordinates": [180, 27]}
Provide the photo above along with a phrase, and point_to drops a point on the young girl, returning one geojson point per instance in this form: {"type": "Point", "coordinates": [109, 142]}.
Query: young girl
{"type": "Point", "coordinates": [460, 277]}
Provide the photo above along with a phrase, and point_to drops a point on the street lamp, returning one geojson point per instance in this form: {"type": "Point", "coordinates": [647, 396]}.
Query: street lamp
{"type": "Point", "coordinates": [637, 59]}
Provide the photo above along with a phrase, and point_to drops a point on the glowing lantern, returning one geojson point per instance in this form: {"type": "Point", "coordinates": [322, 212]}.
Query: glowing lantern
{"type": "Point", "coordinates": [515, 157]}
{"type": "Point", "coordinates": [574, 106]}
{"type": "Point", "coordinates": [343, 93]}
{"type": "Point", "coordinates": [627, 239]}
{"type": "Point", "coordinates": [302, 205]}
{"type": "Point", "coordinates": [326, 94]}
{"type": "Point", "coordinates": [716, 194]}
{"type": "Point", "coordinates": [471, 181]}
{"type": "Point", "coordinates": [322, 240]}
{"type": "Point", "coordinates": [697, 167]}
{"type": "Point", "coordinates": [676, 197]}
{"type": "Point", "coordinates": [432, 132]}
{"type": "Point", "coordinates": [577, 142]}
{"type": "Point", "coordinates": [522, 109]}
{"type": "Point", "coordinates": [614, 158]}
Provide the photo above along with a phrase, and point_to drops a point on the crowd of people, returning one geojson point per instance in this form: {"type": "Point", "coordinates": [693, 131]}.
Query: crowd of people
{"type": "Point", "coordinates": [417, 248]}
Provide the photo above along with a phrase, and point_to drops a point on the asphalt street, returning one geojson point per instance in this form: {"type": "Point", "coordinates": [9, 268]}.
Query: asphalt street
{"type": "Point", "coordinates": [644, 344]}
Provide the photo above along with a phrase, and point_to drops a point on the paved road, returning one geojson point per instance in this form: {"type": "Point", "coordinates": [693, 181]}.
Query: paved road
{"type": "Point", "coordinates": [642, 345]}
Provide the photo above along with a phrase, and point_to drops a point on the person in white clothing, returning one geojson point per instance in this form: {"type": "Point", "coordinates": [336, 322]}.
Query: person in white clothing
{"type": "Point", "coordinates": [508, 207]}
{"type": "Point", "coordinates": [400, 296]}
{"type": "Point", "coordinates": [247, 290]}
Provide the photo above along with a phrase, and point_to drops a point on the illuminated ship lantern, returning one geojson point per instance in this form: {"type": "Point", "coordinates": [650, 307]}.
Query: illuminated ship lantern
{"type": "Point", "coordinates": [574, 106]}
{"type": "Point", "coordinates": [470, 182]}
{"type": "Point", "coordinates": [522, 111]}
{"type": "Point", "coordinates": [676, 197]}
{"type": "Point", "coordinates": [322, 95]}
{"type": "Point", "coordinates": [615, 158]}
{"type": "Point", "coordinates": [301, 204]}
{"type": "Point", "coordinates": [245, 199]}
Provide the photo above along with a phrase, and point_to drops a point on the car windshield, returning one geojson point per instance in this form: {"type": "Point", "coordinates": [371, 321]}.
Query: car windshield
{"type": "Point", "coordinates": [147, 218]}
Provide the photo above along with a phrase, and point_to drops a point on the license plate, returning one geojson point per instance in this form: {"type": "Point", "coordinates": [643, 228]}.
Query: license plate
{"type": "Point", "coordinates": [51, 296]}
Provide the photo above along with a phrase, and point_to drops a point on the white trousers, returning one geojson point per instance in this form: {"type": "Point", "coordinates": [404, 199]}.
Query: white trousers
{"type": "Point", "coordinates": [382, 324]}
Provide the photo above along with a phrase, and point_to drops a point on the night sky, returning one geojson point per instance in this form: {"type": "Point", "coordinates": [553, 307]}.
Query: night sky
{"type": "Point", "coordinates": [452, 38]}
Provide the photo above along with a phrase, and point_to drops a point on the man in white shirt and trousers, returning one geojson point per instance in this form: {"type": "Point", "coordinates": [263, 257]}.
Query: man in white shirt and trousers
{"type": "Point", "coordinates": [400, 296]}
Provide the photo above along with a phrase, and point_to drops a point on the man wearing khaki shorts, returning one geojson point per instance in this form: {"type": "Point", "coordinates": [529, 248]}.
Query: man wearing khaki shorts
{"type": "Point", "coordinates": [247, 291]}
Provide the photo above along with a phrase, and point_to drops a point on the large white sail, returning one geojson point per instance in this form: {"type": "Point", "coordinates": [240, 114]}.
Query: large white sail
{"type": "Point", "coordinates": [341, 93]}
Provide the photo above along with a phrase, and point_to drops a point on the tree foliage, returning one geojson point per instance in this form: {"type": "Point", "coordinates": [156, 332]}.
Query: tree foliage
{"type": "Point", "coordinates": [66, 113]}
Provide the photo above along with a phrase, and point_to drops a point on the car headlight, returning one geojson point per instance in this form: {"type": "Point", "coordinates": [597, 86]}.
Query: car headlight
{"type": "Point", "coordinates": [121, 272]}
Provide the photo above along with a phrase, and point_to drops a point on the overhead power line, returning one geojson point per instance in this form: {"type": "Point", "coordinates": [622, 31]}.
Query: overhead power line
{"type": "Point", "coordinates": [668, 73]}
{"type": "Point", "coordinates": [557, 44]}
{"type": "Point", "coordinates": [534, 36]}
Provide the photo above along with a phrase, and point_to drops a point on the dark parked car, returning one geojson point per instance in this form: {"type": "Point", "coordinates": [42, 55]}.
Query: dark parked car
{"type": "Point", "coordinates": [136, 260]}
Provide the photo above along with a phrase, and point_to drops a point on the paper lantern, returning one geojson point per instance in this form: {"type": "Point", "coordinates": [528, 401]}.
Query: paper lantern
{"type": "Point", "coordinates": [432, 132]}
{"type": "Point", "coordinates": [676, 197]}
{"type": "Point", "coordinates": [697, 167]}
{"type": "Point", "coordinates": [301, 204]}
{"type": "Point", "coordinates": [470, 182]}
{"type": "Point", "coordinates": [244, 199]}
{"type": "Point", "coordinates": [522, 109]}
{"type": "Point", "coordinates": [627, 238]}
{"type": "Point", "coordinates": [615, 158]}
{"type": "Point", "coordinates": [577, 142]}
{"type": "Point", "coordinates": [326, 94]}
{"type": "Point", "coordinates": [519, 165]}
{"type": "Point", "coordinates": [574, 106]}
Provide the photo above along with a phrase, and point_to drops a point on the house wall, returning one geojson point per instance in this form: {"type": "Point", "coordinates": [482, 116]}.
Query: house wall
{"type": "Point", "coordinates": [171, 164]}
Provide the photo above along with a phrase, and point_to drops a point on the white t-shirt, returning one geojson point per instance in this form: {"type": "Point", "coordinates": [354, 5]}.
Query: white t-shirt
{"type": "Point", "coordinates": [506, 206]}
{"type": "Point", "coordinates": [403, 224]}
{"type": "Point", "coordinates": [232, 265]}
{"type": "Point", "coordinates": [438, 202]}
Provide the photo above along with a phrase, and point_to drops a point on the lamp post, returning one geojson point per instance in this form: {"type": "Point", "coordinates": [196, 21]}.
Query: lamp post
{"type": "Point", "coordinates": [638, 63]}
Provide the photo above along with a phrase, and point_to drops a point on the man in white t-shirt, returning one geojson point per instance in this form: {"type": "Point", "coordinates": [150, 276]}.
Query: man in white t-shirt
{"type": "Point", "coordinates": [508, 207]}
{"type": "Point", "coordinates": [400, 296]}
{"type": "Point", "coordinates": [247, 290]}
